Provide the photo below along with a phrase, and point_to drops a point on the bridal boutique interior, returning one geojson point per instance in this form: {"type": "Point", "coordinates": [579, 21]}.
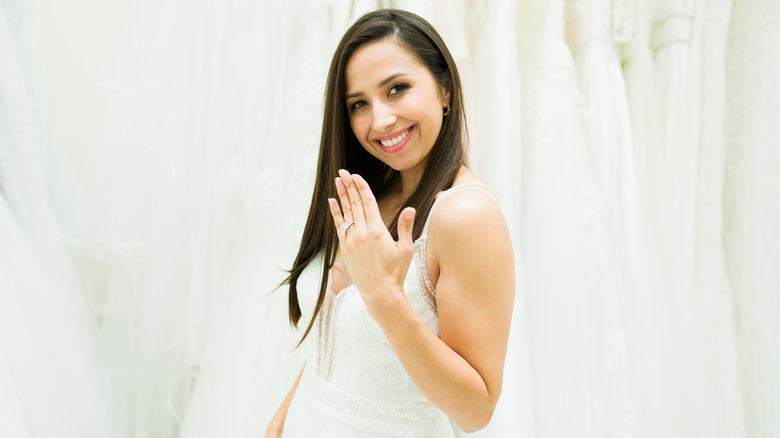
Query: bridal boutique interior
{"type": "Point", "coordinates": [156, 165]}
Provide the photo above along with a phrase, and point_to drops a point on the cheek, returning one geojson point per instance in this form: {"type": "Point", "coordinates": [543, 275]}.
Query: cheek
{"type": "Point", "coordinates": [359, 128]}
{"type": "Point", "coordinates": [428, 111]}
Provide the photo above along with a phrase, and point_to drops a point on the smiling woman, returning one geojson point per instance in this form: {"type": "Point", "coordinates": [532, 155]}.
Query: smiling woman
{"type": "Point", "coordinates": [405, 272]}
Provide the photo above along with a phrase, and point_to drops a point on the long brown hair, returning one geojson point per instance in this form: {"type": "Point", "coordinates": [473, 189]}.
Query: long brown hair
{"type": "Point", "coordinates": [339, 149]}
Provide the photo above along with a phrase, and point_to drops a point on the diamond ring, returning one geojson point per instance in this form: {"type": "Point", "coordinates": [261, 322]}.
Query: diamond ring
{"type": "Point", "coordinates": [346, 226]}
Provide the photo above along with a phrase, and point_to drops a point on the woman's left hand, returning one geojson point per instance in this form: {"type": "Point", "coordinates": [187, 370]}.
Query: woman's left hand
{"type": "Point", "coordinates": [376, 263]}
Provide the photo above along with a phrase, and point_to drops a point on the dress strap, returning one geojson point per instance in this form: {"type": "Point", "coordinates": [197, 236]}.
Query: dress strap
{"type": "Point", "coordinates": [455, 189]}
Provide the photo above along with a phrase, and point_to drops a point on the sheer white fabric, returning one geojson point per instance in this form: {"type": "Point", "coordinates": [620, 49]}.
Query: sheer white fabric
{"type": "Point", "coordinates": [249, 361]}
{"type": "Point", "coordinates": [751, 223]}
{"type": "Point", "coordinates": [47, 376]}
{"type": "Point", "coordinates": [712, 293]}
{"type": "Point", "coordinates": [50, 381]}
{"type": "Point", "coordinates": [188, 187]}
{"type": "Point", "coordinates": [197, 241]}
{"type": "Point", "coordinates": [12, 421]}
{"type": "Point", "coordinates": [572, 296]}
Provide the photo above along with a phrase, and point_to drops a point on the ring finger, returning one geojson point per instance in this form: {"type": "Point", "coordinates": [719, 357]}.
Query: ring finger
{"type": "Point", "coordinates": [346, 205]}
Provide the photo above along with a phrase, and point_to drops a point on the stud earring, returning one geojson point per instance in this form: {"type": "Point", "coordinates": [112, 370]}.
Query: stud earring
{"type": "Point", "coordinates": [447, 111]}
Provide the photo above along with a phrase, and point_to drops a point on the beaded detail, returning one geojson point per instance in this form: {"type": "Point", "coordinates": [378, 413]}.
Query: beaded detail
{"type": "Point", "coordinates": [392, 412]}
{"type": "Point", "coordinates": [326, 333]}
{"type": "Point", "coordinates": [420, 260]}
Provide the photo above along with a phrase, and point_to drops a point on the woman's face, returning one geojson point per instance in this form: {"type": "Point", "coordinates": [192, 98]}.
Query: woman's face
{"type": "Point", "coordinates": [394, 104]}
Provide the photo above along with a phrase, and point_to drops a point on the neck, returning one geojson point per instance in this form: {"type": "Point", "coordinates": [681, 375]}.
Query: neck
{"type": "Point", "coordinates": [409, 182]}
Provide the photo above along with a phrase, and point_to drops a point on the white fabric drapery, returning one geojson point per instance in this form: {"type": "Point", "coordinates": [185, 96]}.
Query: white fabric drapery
{"type": "Point", "coordinates": [631, 144]}
{"type": "Point", "coordinates": [48, 376]}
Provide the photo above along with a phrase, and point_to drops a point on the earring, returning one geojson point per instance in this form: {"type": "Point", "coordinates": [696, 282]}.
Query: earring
{"type": "Point", "coordinates": [447, 111]}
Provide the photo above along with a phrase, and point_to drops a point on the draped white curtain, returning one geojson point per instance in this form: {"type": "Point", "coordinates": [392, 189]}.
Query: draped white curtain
{"type": "Point", "coordinates": [156, 166]}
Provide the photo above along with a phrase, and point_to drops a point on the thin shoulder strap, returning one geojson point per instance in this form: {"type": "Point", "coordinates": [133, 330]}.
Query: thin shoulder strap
{"type": "Point", "coordinates": [455, 189]}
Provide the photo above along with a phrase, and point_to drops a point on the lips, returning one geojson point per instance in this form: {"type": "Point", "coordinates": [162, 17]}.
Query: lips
{"type": "Point", "coordinates": [394, 142]}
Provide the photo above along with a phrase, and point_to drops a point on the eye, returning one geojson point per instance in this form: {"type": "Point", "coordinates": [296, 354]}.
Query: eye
{"type": "Point", "coordinates": [357, 105]}
{"type": "Point", "coordinates": [398, 88]}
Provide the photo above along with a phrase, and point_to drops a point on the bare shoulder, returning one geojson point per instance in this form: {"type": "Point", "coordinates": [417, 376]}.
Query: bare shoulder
{"type": "Point", "coordinates": [468, 232]}
{"type": "Point", "coordinates": [470, 213]}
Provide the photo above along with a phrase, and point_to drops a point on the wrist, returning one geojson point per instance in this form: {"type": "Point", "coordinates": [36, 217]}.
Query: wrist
{"type": "Point", "coordinates": [390, 306]}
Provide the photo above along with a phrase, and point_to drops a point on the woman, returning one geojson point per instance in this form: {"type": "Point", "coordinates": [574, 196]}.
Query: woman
{"type": "Point", "coordinates": [415, 270]}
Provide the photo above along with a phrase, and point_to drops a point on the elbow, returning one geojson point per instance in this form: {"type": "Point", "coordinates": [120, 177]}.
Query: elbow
{"type": "Point", "coordinates": [478, 419]}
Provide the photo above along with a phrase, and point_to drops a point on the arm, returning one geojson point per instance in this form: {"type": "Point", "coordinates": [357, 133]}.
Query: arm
{"type": "Point", "coordinates": [461, 372]}
{"type": "Point", "coordinates": [276, 425]}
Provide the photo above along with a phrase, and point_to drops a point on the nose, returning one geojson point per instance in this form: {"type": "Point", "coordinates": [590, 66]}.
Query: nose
{"type": "Point", "coordinates": [384, 118]}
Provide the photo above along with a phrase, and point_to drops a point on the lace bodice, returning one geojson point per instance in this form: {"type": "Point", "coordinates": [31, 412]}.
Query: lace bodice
{"type": "Point", "coordinates": [352, 374]}
{"type": "Point", "coordinates": [349, 348]}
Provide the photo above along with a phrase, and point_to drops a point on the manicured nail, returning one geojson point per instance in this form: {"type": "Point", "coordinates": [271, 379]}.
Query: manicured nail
{"type": "Point", "coordinates": [409, 213]}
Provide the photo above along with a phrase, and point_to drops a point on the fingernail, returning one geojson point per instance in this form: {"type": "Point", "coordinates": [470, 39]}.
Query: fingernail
{"type": "Point", "coordinates": [338, 181]}
{"type": "Point", "coordinates": [409, 213]}
{"type": "Point", "coordinates": [343, 173]}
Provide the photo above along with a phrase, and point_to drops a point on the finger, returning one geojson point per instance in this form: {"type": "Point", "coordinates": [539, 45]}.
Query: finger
{"type": "Point", "coordinates": [354, 199]}
{"type": "Point", "coordinates": [346, 206]}
{"type": "Point", "coordinates": [335, 211]}
{"type": "Point", "coordinates": [370, 207]}
{"type": "Point", "coordinates": [405, 227]}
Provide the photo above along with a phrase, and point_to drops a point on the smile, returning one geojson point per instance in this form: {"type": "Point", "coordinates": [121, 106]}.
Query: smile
{"type": "Point", "coordinates": [395, 144]}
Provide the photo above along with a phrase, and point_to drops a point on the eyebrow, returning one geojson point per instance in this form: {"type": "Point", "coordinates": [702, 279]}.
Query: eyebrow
{"type": "Point", "coordinates": [381, 84]}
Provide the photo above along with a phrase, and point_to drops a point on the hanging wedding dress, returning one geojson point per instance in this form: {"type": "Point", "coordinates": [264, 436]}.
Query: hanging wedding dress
{"type": "Point", "coordinates": [712, 294]}
{"type": "Point", "coordinates": [751, 221]}
{"type": "Point", "coordinates": [685, 400]}
{"type": "Point", "coordinates": [495, 132]}
{"type": "Point", "coordinates": [592, 28]}
{"type": "Point", "coordinates": [646, 307]}
{"type": "Point", "coordinates": [639, 74]}
{"type": "Point", "coordinates": [579, 358]}
{"type": "Point", "coordinates": [47, 379]}
{"type": "Point", "coordinates": [697, 325]}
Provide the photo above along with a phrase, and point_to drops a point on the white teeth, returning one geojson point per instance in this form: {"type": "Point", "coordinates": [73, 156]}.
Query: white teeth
{"type": "Point", "coordinates": [395, 141]}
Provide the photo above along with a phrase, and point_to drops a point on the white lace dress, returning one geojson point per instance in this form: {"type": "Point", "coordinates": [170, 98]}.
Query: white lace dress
{"type": "Point", "coordinates": [353, 384]}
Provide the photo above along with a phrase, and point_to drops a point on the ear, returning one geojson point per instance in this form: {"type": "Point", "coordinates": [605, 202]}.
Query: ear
{"type": "Point", "coordinates": [446, 91]}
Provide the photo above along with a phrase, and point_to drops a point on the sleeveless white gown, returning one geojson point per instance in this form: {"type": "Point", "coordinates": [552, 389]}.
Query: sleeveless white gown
{"type": "Point", "coordinates": [353, 384]}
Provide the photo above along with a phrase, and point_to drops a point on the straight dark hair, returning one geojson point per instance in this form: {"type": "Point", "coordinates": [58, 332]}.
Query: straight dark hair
{"type": "Point", "coordinates": [340, 149]}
